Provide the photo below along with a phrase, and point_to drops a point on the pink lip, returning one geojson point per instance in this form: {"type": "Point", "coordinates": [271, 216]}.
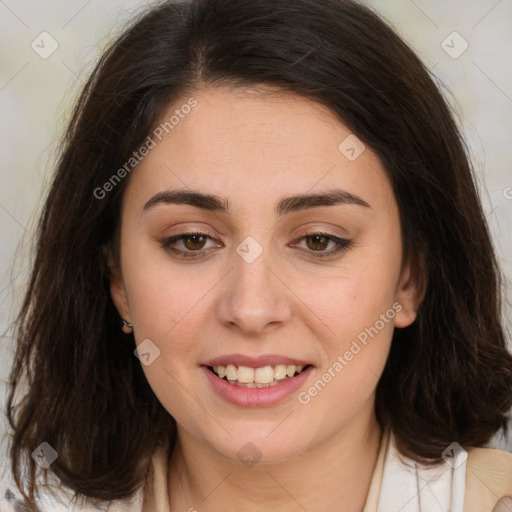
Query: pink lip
{"type": "Point", "coordinates": [254, 362]}
{"type": "Point", "coordinates": [256, 397]}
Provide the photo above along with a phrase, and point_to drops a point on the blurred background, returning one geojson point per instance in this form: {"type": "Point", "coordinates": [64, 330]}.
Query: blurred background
{"type": "Point", "coordinates": [49, 48]}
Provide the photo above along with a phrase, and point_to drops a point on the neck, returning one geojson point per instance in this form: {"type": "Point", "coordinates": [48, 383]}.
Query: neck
{"type": "Point", "coordinates": [333, 475]}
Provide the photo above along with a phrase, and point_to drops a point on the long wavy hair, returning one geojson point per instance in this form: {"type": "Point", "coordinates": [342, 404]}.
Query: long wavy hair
{"type": "Point", "coordinates": [76, 383]}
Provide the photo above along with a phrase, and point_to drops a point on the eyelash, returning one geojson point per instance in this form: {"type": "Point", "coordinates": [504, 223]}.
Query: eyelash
{"type": "Point", "coordinates": [342, 244]}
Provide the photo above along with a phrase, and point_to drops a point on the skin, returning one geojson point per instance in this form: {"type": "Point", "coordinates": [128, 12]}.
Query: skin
{"type": "Point", "coordinates": [253, 149]}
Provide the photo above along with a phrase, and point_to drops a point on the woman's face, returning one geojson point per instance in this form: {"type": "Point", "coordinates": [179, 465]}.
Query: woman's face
{"type": "Point", "coordinates": [297, 262]}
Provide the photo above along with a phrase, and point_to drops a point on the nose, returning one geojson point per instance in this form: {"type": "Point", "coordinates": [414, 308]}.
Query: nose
{"type": "Point", "coordinates": [254, 299]}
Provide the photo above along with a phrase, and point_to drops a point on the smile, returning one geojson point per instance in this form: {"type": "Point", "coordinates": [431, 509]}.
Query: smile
{"type": "Point", "coordinates": [262, 377]}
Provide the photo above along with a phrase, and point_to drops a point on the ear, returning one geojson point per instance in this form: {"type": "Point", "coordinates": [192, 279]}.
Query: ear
{"type": "Point", "coordinates": [117, 289]}
{"type": "Point", "coordinates": [411, 290]}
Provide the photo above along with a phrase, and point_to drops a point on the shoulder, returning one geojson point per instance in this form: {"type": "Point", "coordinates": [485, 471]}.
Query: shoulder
{"type": "Point", "coordinates": [488, 478]}
{"type": "Point", "coordinates": [11, 501]}
{"type": "Point", "coordinates": [52, 496]}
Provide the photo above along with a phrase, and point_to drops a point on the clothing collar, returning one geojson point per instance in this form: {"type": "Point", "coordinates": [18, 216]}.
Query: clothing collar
{"type": "Point", "coordinates": [397, 483]}
{"type": "Point", "coordinates": [400, 483]}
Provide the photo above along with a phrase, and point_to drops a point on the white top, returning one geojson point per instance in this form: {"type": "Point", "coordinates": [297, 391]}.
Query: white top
{"type": "Point", "coordinates": [409, 487]}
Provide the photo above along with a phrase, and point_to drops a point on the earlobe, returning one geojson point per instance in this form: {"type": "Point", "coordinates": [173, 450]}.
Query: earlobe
{"type": "Point", "coordinates": [411, 291]}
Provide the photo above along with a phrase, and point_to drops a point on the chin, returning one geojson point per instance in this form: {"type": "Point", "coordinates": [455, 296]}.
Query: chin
{"type": "Point", "coordinates": [259, 448]}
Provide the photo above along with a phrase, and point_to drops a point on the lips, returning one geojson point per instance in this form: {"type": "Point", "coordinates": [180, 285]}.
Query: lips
{"type": "Point", "coordinates": [267, 369]}
{"type": "Point", "coordinates": [256, 381]}
{"type": "Point", "coordinates": [254, 395]}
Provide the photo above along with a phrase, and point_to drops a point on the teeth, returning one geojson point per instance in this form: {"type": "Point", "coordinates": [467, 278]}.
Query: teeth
{"type": "Point", "coordinates": [263, 375]}
{"type": "Point", "coordinates": [221, 371]}
{"type": "Point", "coordinates": [290, 370]}
{"type": "Point", "coordinates": [231, 372]}
{"type": "Point", "coordinates": [280, 371]}
{"type": "Point", "coordinates": [245, 374]}
{"type": "Point", "coordinates": [257, 377]}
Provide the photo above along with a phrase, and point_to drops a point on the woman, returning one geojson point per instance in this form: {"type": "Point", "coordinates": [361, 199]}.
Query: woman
{"type": "Point", "coordinates": [263, 277]}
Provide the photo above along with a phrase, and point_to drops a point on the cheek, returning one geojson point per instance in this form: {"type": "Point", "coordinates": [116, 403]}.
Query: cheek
{"type": "Point", "coordinates": [162, 298]}
{"type": "Point", "coordinates": [359, 312]}
{"type": "Point", "coordinates": [165, 308]}
{"type": "Point", "coordinates": [356, 297]}
{"type": "Point", "coordinates": [344, 386]}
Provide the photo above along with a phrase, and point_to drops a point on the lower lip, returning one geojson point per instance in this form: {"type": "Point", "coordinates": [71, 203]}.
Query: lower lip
{"type": "Point", "coordinates": [256, 397]}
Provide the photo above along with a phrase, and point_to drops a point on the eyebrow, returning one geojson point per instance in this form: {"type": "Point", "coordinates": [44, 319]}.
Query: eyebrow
{"type": "Point", "coordinates": [285, 205]}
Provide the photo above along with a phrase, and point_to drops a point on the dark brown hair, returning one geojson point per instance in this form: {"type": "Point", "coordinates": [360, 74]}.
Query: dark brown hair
{"type": "Point", "coordinates": [448, 376]}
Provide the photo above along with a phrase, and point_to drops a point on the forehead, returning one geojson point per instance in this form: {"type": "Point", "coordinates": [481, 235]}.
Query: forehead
{"type": "Point", "coordinates": [254, 145]}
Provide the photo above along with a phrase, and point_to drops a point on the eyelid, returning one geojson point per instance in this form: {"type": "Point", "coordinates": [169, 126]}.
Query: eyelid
{"type": "Point", "coordinates": [342, 245]}
{"type": "Point", "coordinates": [166, 242]}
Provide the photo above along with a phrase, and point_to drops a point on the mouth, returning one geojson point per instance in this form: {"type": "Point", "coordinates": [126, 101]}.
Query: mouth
{"type": "Point", "coordinates": [261, 377]}
{"type": "Point", "coordinates": [262, 381]}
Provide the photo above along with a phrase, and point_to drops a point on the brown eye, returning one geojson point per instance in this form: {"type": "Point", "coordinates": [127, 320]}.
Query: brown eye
{"type": "Point", "coordinates": [317, 242]}
{"type": "Point", "coordinates": [188, 245]}
{"type": "Point", "coordinates": [194, 242]}
{"type": "Point", "coordinates": [318, 245]}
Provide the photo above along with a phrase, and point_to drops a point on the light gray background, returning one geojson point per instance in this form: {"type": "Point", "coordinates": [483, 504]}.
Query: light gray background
{"type": "Point", "coordinates": [36, 94]}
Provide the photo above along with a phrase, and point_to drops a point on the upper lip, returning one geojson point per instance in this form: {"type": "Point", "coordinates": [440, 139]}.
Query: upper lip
{"type": "Point", "coordinates": [255, 362]}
